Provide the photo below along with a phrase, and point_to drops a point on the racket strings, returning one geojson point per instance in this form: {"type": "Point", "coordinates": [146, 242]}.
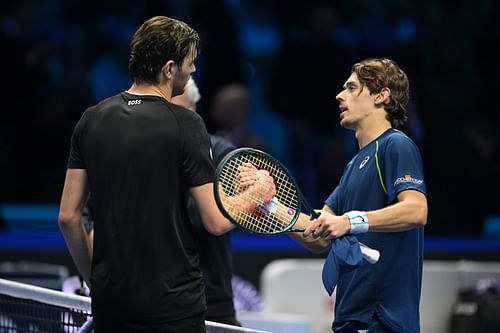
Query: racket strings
{"type": "Point", "coordinates": [261, 220]}
{"type": "Point", "coordinates": [229, 180]}
{"type": "Point", "coordinates": [230, 183]}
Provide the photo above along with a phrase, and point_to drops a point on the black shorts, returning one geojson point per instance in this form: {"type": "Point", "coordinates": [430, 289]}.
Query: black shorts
{"type": "Point", "coordinates": [194, 324]}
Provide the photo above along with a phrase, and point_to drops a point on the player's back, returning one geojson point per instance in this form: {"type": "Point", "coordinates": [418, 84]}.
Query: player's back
{"type": "Point", "coordinates": [144, 258]}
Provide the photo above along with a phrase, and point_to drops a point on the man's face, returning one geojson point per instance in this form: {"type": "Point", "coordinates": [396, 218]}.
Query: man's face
{"type": "Point", "coordinates": [355, 102]}
{"type": "Point", "coordinates": [183, 73]}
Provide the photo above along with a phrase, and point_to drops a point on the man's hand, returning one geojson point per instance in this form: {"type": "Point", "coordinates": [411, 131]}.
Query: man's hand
{"type": "Point", "coordinates": [259, 183]}
{"type": "Point", "coordinates": [328, 226]}
{"type": "Point", "coordinates": [247, 175]}
{"type": "Point", "coordinates": [264, 188]}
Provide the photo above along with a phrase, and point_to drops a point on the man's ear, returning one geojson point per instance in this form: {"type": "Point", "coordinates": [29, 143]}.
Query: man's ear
{"type": "Point", "coordinates": [168, 70]}
{"type": "Point", "coordinates": [383, 96]}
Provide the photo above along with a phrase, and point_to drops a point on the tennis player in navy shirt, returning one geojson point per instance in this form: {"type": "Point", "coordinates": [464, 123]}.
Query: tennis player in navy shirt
{"type": "Point", "coordinates": [380, 200]}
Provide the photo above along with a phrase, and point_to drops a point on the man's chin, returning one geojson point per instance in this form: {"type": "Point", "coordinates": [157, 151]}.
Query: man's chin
{"type": "Point", "coordinates": [345, 124]}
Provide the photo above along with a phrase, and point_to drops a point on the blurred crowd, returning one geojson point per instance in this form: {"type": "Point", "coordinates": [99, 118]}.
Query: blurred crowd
{"type": "Point", "coordinates": [268, 76]}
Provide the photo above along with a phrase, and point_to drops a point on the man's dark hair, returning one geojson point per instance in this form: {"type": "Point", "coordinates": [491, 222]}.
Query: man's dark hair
{"type": "Point", "coordinates": [158, 40]}
{"type": "Point", "coordinates": [377, 74]}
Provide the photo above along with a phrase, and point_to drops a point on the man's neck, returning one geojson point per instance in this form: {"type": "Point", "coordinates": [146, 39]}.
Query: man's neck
{"type": "Point", "coordinates": [365, 135]}
{"type": "Point", "coordinates": [148, 89]}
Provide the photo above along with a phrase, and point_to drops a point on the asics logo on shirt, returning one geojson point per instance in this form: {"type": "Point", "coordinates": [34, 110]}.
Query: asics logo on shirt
{"type": "Point", "coordinates": [363, 162]}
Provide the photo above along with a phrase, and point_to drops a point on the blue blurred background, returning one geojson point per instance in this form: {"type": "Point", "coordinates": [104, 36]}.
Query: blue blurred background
{"type": "Point", "coordinates": [288, 60]}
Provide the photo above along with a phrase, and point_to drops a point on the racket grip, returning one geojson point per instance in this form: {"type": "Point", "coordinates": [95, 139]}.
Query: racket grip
{"type": "Point", "coordinates": [369, 254]}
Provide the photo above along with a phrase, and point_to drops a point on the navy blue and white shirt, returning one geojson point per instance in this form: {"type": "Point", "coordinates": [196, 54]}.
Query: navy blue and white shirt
{"type": "Point", "coordinates": [391, 287]}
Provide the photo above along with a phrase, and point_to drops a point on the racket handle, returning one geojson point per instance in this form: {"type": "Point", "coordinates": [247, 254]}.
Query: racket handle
{"type": "Point", "coordinates": [370, 255]}
{"type": "Point", "coordinates": [314, 215]}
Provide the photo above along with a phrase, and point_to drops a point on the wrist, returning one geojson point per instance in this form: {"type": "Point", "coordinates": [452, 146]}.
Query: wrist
{"type": "Point", "coordinates": [358, 221]}
{"type": "Point", "coordinates": [272, 205]}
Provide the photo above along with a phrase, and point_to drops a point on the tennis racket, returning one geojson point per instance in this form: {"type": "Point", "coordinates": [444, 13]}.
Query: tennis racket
{"type": "Point", "coordinates": [270, 218]}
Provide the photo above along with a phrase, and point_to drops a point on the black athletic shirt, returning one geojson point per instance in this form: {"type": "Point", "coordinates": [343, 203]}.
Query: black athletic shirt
{"type": "Point", "coordinates": [141, 154]}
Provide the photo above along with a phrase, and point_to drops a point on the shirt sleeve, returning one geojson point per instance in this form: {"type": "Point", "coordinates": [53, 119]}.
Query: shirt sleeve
{"type": "Point", "coordinates": [332, 200]}
{"type": "Point", "coordinates": [75, 159]}
{"type": "Point", "coordinates": [197, 152]}
{"type": "Point", "coordinates": [403, 167]}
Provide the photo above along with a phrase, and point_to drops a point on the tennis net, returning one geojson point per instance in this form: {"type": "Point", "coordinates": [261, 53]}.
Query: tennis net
{"type": "Point", "coordinates": [31, 309]}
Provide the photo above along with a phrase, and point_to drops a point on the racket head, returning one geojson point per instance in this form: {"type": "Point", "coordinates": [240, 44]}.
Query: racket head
{"type": "Point", "coordinates": [261, 220]}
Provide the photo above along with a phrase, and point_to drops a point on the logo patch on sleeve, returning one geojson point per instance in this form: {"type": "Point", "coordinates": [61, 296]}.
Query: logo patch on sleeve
{"type": "Point", "coordinates": [408, 179]}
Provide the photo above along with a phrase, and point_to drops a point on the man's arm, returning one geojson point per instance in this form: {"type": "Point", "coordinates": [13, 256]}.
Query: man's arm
{"type": "Point", "coordinates": [313, 244]}
{"type": "Point", "coordinates": [409, 212]}
{"type": "Point", "coordinates": [262, 190]}
{"type": "Point", "coordinates": [211, 217]}
{"type": "Point", "coordinates": [73, 199]}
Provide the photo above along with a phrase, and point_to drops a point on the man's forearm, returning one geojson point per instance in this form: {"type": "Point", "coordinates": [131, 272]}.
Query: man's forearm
{"type": "Point", "coordinates": [79, 247]}
{"type": "Point", "coordinates": [315, 245]}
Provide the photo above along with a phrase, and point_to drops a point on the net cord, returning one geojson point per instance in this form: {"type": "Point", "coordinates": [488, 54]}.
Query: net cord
{"type": "Point", "coordinates": [214, 325]}
{"type": "Point", "coordinates": [82, 303]}
{"type": "Point", "coordinates": [44, 295]}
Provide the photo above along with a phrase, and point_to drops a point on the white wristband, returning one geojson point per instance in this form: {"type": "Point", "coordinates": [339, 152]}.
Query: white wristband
{"type": "Point", "coordinates": [358, 221]}
{"type": "Point", "coordinates": [272, 205]}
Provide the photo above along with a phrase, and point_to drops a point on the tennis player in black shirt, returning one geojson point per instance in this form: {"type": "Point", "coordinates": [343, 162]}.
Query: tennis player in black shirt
{"type": "Point", "coordinates": [139, 156]}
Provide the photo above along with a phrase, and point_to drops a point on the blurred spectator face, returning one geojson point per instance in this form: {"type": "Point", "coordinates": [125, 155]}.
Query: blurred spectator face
{"type": "Point", "coordinates": [230, 106]}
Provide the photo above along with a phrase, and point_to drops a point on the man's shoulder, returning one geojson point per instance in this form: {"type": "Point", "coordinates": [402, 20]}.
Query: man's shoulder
{"type": "Point", "coordinates": [393, 134]}
{"type": "Point", "coordinates": [103, 104]}
{"type": "Point", "coordinates": [396, 138]}
{"type": "Point", "coordinates": [182, 112]}
{"type": "Point", "coordinates": [110, 100]}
